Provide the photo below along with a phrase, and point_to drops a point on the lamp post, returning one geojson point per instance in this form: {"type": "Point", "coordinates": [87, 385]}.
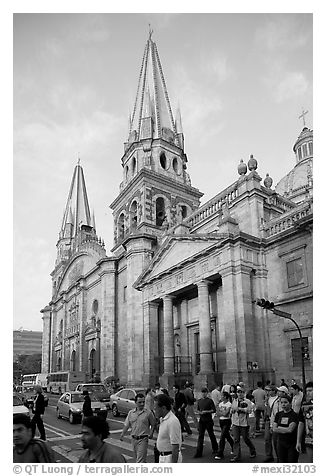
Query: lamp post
{"type": "Point", "coordinates": [270, 307]}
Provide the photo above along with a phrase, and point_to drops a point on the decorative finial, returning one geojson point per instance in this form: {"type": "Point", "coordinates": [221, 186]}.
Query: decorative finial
{"type": "Point", "coordinates": [242, 168]}
{"type": "Point", "coordinates": [268, 181]}
{"type": "Point", "coordinates": [303, 117]}
{"type": "Point", "coordinates": [252, 163]}
{"type": "Point", "coordinates": [78, 159]}
{"type": "Point", "coordinates": [150, 31]}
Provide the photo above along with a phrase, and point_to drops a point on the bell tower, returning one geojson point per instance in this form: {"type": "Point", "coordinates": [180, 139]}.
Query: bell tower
{"type": "Point", "coordinates": [156, 191]}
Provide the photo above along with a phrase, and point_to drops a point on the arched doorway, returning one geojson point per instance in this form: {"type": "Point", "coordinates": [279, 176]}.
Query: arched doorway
{"type": "Point", "coordinates": [92, 363]}
{"type": "Point", "coordinates": [73, 361]}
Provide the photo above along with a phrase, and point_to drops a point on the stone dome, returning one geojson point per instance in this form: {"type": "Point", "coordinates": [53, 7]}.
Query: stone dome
{"type": "Point", "coordinates": [298, 182]}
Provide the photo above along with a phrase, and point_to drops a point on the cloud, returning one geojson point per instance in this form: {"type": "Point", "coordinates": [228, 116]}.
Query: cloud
{"type": "Point", "coordinates": [200, 107]}
{"type": "Point", "coordinates": [282, 33]}
{"type": "Point", "coordinates": [293, 85]}
{"type": "Point", "coordinates": [216, 68]}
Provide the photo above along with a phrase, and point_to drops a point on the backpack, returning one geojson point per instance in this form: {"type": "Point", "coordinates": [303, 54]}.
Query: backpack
{"type": "Point", "coordinates": [45, 450]}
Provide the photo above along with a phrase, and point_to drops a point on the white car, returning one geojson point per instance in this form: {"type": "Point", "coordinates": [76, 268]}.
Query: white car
{"type": "Point", "coordinates": [70, 406]}
{"type": "Point", "coordinates": [18, 405]}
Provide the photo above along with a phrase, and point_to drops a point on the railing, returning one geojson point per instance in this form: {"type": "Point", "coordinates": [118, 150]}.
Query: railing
{"type": "Point", "coordinates": [288, 220]}
{"type": "Point", "coordinates": [281, 202]}
{"type": "Point", "coordinates": [213, 205]}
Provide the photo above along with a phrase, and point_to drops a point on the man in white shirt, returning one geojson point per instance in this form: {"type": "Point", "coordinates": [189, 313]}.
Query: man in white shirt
{"type": "Point", "coordinates": [216, 395]}
{"type": "Point", "coordinates": [259, 395]}
{"type": "Point", "coordinates": [169, 435]}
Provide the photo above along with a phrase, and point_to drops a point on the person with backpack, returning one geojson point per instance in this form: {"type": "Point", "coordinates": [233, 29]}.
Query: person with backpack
{"type": "Point", "coordinates": [87, 405]}
{"type": "Point", "coordinates": [26, 448]}
{"type": "Point", "coordinates": [38, 410]}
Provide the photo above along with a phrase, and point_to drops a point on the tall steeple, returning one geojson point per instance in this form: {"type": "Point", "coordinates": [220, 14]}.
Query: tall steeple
{"type": "Point", "coordinates": [156, 191]}
{"type": "Point", "coordinates": [152, 115]}
{"type": "Point", "coordinates": [77, 210]}
{"type": "Point", "coordinates": [78, 225]}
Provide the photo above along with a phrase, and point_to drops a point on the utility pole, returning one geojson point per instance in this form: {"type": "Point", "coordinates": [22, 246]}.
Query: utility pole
{"type": "Point", "coordinates": [270, 306]}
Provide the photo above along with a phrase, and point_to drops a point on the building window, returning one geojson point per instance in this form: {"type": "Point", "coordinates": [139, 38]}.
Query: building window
{"type": "Point", "coordinates": [294, 271]}
{"type": "Point", "coordinates": [299, 153]}
{"type": "Point", "coordinates": [95, 306]}
{"type": "Point", "coordinates": [310, 148]}
{"type": "Point", "coordinates": [160, 211]}
{"type": "Point", "coordinates": [163, 161]}
{"type": "Point", "coordinates": [73, 361]}
{"type": "Point", "coordinates": [124, 293]}
{"type": "Point", "coordinates": [296, 350]}
{"type": "Point", "coordinates": [305, 150]}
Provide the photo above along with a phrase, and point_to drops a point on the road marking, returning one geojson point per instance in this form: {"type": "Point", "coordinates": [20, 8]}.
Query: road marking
{"type": "Point", "coordinates": [61, 438]}
{"type": "Point", "coordinates": [56, 430]}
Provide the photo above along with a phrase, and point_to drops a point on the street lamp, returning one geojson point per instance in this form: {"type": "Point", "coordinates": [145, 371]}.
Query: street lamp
{"type": "Point", "coordinates": [270, 306]}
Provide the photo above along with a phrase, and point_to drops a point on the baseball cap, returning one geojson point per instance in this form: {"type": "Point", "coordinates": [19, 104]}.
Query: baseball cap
{"type": "Point", "coordinates": [283, 388]}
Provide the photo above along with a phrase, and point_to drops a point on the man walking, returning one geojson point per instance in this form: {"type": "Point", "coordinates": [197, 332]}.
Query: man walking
{"type": "Point", "coordinates": [142, 423]}
{"type": "Point", "coordinates": [169, 437]}
{"type": "Point", "coordinates": [38, 412]}
{"type": "Point", "coordinates": [240, 409]}
{"type": "Point", "coordinates": [259, 396]}
{"type": "Point", "coordinates": [26, 448]}
{"type": "Point", "coordinates": [271, 397]}
{"type": "Point", "coordinates": [190, 399]}
{"type": "Point", "coordinates": [180, 404]}
{"type": "Point", "coordinates": [206, 408]}
{"type": "Point", "coordinates": [87, 405]}
{"type": "Point", "coordinates": [94, 430]}
{"type": "Point", "coordinates": [277, 407]}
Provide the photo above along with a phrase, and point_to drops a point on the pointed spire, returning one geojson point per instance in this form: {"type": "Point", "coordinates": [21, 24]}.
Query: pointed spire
{"type": "Point", "coordinates": [93, 220]}
{"type": "Point", "coordinates": [178, 122]}
{"type": "Point", "coordinates": [152, 96]}
{"type": "Point", "coordinates": [77, 210]}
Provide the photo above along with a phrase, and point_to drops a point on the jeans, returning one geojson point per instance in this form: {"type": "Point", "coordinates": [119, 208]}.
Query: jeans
{"type": "Point", "coordinates": [268, 441]}
{"type": "Point", "coordinates": [180, 414]}
{"type": "Point", "coordinates": [202, 427]}
{"type": "Point", "coordinates": [37, 420]}
{"type": "Point", "coordinates": [287, 452]}
{"type": "Point", "coordinates": [225, 425]}
{"type": "Point", "coordinates": [243, 431]}
{"type": "Point", "coordinates": [140, 449]}
{"type": "Point", "coordinates": [258, 416]}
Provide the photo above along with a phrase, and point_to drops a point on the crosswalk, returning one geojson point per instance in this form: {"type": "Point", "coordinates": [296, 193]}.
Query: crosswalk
{"type": "Point", "coordinates": [70, 446]}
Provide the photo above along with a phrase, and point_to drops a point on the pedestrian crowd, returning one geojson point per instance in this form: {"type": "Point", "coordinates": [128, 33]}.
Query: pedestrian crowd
{"type": "Point", "coordinates": [283, 415]}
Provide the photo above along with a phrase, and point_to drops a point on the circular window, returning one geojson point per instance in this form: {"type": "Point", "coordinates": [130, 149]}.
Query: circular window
{"type": "Point", "coordinates": [95, 306]}
{"type": "Point", "coordinates": [163, 161]}
{"type": "Point", "coordinates": [175, 165]}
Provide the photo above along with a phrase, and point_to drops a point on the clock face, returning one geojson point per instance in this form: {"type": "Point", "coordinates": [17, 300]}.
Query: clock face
{"type": "Point", "coordinates": [95, 306]}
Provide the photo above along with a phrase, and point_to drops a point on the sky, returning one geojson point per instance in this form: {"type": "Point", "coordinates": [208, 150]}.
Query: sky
{"type": "Point", "coordinates": [240, 80]}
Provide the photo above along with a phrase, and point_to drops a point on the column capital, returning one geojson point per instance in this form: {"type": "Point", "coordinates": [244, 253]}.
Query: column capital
{"type": "Point", "coordinates": [204, 283]}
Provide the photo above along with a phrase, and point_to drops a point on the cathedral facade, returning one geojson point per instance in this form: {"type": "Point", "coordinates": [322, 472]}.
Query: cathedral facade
{"type": "Point", "coordinates": [175, 299]}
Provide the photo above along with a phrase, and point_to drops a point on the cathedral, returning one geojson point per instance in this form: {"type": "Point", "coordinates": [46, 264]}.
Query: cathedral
{"type": "Point", "coordinates": [175, 298]}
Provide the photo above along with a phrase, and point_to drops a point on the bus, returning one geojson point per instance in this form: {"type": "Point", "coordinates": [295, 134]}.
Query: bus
{"type": "Point", "coordinates": [65, 381]}
{"type": "Point", "coordinates": [30, 380]}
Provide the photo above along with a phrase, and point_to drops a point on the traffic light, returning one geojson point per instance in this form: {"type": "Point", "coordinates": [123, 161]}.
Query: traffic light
{"type": "Point", "coordinates": [305, 351]}
{"type": "Point", "coordinates": [265, 304]}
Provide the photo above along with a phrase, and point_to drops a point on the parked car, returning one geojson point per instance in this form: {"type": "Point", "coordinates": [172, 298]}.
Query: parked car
{"type": "Point", "coordinates": [18, 405]}
{"type": "Point", "coordinates": [98, 389]}
{"type": "Point", "coordinates": [28, 395]}
{"type": "Point", "coordinates": [70, 406]}
{"type": "Point", "coordinates": [124, 400]}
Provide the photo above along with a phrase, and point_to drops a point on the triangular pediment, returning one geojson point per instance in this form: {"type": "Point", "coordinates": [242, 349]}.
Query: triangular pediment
{"type": "Point", "coordinates": [175, 253]}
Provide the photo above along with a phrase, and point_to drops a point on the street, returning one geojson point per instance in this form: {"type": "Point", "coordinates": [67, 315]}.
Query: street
{"type": "Point", "coordinates": [64, 439]}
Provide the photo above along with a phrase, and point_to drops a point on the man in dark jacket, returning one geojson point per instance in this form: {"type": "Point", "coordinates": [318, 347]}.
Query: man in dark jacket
{"type": "Point", "coordinates": [87, 405]}
{"type": "Point", "coordinates": [179, 408]}
{"type": "Point", "coordinates": [38, 412]}
{"type": "Point", "coordinates": [26, 448]}
{"type": "Point", "coordinates": [206, 408]}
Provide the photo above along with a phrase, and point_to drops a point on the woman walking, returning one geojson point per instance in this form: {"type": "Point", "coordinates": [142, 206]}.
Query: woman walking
{"type": "Point", "coordinates": [224, 408]}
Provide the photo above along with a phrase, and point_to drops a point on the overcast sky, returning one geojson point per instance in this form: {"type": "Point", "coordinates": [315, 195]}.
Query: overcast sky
{"type": "Point", "coordinates": [241, 81]}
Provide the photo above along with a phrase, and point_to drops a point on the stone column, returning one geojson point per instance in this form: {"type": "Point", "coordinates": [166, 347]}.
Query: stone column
{"type": "Point", "coordinates": [205, 335]}
{"type": "Point", "coordinates": [205, 376]}
{"type": "Point", "coordinates": [167, 378]}
{"type": "Point", "coordinates": [150, 342]}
